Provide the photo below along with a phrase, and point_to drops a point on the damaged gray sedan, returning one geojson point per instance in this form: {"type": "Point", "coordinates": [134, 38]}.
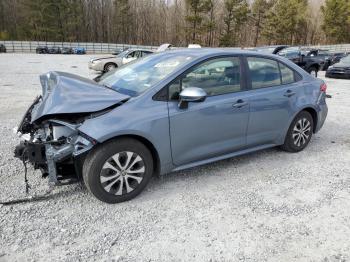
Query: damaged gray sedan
{"type": "Point", "coordinates": [167, 112]}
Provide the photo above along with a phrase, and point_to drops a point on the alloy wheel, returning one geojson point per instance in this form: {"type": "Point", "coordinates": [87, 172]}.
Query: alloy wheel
{"type": "Point", "coordinates": [301, 132]}
{"type": "Point", "coordinates": [122, 173]}
{"type": "Point", "coordinates": [110, 67]}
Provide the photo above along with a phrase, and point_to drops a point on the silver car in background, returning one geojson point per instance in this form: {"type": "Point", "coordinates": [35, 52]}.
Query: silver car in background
{"type": "Point", "coordinates": [106, 64]}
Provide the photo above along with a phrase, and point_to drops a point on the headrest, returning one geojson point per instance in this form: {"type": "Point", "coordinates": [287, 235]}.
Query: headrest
{"type": "Point", "coordinates": [232, 72]}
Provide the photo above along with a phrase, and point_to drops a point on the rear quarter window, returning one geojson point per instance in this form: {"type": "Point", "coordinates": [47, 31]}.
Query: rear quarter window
{"type": "Point", "coordinates": [287, 74]}
{"type": "Point", "coordinates": [263, 72]}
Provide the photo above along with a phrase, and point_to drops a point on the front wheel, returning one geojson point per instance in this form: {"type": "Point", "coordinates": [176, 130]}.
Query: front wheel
{"type": "Point", "coordinates": [118, 170]}
{"type": "Point", "coordinates": [299, 133]}
{"type": "Point", "coordinates": [109, 67]}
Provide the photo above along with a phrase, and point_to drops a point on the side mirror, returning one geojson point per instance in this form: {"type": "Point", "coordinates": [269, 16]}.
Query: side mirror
{"type": "Point", "coordinates": [191, 94]}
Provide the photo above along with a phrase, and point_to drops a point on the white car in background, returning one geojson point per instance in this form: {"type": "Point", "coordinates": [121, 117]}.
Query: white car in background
{"type": "Point", "coordinates": [106, 64]}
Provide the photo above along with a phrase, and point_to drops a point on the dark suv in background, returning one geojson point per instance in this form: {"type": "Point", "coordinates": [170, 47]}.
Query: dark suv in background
{"type": "Point", "coordinates": [324, 57]}
{"type": "Point", "coordinates": [308, 59]}
{"type": "Point", "coordinates": [2, 48]}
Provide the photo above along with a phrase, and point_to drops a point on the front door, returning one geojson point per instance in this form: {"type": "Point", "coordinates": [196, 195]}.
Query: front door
{"type": "Point", "coordinates": [216, 126]}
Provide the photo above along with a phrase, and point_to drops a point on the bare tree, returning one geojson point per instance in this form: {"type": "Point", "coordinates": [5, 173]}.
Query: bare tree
{"type": "Point", "coordinates": [152, 22]}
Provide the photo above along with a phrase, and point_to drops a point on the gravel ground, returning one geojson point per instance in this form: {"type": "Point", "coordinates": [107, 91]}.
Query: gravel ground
{"type": "Point", "coordinates": [265, 206]}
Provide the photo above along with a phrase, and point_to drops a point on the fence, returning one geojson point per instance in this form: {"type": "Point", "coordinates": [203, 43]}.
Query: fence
{"type": "Point", "coordinates": [94, 48]}
{"type": "Point", "coordinates": [333, 48]}
{"type": "Point", "coordinates": [107, 48]}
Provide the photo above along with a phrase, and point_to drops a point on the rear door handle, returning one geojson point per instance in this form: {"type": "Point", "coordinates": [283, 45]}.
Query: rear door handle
{"type": "Point", "coordinates": [289, 93]}
{"type": "Point", "coordinates": [240, 103]}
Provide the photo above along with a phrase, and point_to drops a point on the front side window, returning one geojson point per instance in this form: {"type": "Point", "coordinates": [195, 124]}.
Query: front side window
{"type": "Point", "coordinates": [132, 54]}
{"type": "Point", "coordinates": [263, 72]}
{"type": "Point", "coordinates": [123, 54]}
{"type": "Point", "coordinates": [216, 77]}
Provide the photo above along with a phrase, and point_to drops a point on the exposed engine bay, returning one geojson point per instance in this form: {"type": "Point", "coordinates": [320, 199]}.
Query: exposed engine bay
{"type": "Point", "coordinates": [54, 146]}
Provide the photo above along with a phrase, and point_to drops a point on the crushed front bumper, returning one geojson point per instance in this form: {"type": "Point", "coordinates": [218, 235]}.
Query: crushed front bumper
{"type": "Point", "coordinates": [57, 149]}
{"type": "Point", "coordinates": [96, 65]}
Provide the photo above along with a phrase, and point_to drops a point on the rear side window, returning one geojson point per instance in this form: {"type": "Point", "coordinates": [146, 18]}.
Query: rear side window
{"type": "Point", "coordinates": [287, 74]}
{"type": "Point", "coordinates": [145, 53]}
{"type": "Point", "coordinates": [263, 72]}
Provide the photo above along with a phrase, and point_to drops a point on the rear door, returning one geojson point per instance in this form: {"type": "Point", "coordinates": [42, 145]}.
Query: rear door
{"type": "Point", "coordinates": [274, 89]}
{"type": "Point", "coordinates": [216, 126]}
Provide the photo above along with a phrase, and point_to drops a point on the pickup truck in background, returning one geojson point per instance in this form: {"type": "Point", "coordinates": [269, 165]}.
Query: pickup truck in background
{"type": "Point", "coordinates": [311, 60]}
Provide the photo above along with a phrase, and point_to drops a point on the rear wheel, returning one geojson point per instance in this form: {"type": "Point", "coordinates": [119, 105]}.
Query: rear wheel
{"type": "Point", "coordinates": [299, 133]}
{"type": "Point", "coordinates": [118, 170]}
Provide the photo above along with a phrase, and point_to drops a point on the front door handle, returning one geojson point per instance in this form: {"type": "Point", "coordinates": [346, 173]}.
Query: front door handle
{"type": "Point", "coordinates": [289, 93]}
{"type": "Point", "coordinates": [240, 103]}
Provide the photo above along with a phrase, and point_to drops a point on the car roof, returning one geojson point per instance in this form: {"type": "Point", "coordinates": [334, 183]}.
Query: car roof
{"type": "Point", "coordinates": [200, 52]}
{"type": "Point", "coordinates": [139, 49]}
{"type": "Point", "coordinates": [270, 46]}
{"type": "Point", "coordinates": [207, 53]}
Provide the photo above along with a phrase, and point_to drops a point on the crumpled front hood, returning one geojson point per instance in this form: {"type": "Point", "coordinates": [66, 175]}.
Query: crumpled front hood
{"type": "Point", "coordinates": [65, 93]}
{"type": "Point", "coordinates": [103, 58]}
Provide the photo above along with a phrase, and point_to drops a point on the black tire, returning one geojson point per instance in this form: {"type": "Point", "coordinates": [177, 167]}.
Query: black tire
{"type": "Point", "coordinates": [97, 158]}
{"type": "Point", "coordinates": [291, 141]}
{"type": "Point", "coordinates": [313, 71]}
{"type": "Point", "coordinates": [109, 66]}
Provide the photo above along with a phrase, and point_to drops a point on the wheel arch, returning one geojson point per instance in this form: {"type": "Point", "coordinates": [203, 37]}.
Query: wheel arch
{"type": "Point", "coordinates": [147, 143]}
{"type": "Point", "coordinates": [313, 113]}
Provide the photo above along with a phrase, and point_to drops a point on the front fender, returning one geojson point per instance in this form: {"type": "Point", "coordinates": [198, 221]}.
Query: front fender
{"type": "Point", "coordinates": [148, 120]}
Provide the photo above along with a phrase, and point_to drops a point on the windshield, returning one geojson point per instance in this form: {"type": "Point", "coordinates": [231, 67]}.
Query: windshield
{"type": "Point", "coordinates": [290, 53]}
{"type": "Point", "coordinates": [287, 51]}
{"type": "Point", "coordinates": [135, 78]}
{"type": "Point", "coordinates": [266, 49]}
{"type": "Point", "coordinates": [122, 54]}
{"type": "Point", "coordinates": [345, 60]}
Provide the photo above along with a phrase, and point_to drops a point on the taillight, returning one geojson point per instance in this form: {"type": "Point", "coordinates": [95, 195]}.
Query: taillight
{"type": "Point", "coordinates": [323, 88]}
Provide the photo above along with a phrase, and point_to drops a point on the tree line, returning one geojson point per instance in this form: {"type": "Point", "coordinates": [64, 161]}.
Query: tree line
{"type": "Point", "coordinates": [179, 22]}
